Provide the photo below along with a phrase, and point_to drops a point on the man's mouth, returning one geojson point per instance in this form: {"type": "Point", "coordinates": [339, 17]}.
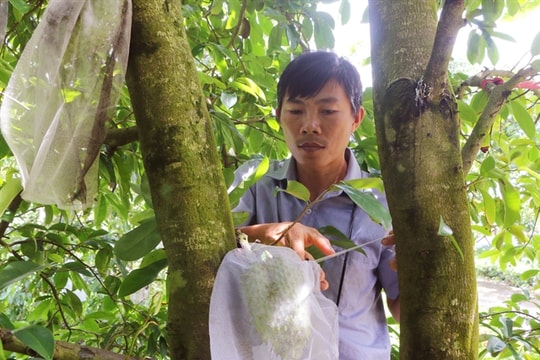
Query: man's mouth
{"type": "Point", "coordinates": [311, 146]}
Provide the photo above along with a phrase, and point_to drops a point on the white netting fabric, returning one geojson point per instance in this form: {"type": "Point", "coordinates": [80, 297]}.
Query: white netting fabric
{"type": "Point", "coordinates": [267, 304]}
{"type": "Point", "coordinates": [3, 18]}
{"type": "Point", "coordinates": [62, 91]}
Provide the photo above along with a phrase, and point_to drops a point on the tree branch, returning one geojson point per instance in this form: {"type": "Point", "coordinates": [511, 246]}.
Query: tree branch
{"type": "Point", "coordinates": [497, 98]}
{"type": "Point", "coordinates": [238, 26]}
{"type": "Point", "coordinates": [450, 22]}
{"type": "Point", "coordinates": [62, 350]}
{"type": "Point", "coordinates": [119, 137]}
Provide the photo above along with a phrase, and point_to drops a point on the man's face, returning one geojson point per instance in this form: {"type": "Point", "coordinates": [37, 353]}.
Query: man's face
{"type": "Point", "coordinates": [317, 129]}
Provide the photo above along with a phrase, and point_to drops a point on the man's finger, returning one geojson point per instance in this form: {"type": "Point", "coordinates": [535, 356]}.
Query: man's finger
{"type": "Point", "coordinates": [389, 239]}
{"type": "Point", "coordinates": [393, 264]}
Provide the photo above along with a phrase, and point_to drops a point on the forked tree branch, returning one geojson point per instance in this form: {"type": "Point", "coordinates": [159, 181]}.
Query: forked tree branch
{"type": "Point", "coordinates": [497, 97]}
{"type": "Point", "coordinates": [450, 22]}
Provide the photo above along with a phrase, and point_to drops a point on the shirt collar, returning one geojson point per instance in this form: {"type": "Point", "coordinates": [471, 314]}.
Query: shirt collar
{"type": "Point", "coordinates": [286, 169]}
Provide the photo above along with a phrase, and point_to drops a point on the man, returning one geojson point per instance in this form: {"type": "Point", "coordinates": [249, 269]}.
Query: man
{"type": "Point", "coordinates": [319, 107]}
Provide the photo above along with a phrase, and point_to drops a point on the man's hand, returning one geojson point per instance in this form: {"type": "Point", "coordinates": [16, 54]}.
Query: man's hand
{"type": "Point", "coordinates": [298, 237]}
{"type": "Point", "coordinates": [389, 240]}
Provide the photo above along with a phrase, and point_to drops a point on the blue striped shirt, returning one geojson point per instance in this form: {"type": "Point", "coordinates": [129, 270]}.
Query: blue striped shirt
{"type": "Point", "coordinates": [362, 320]}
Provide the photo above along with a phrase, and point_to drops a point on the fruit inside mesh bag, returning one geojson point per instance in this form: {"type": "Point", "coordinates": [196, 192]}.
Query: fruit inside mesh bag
{"type": "Point", "coordinates": [266, 304]}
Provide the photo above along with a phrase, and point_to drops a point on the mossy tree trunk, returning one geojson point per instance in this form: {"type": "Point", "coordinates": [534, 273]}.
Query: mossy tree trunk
{"type": "Point", "coordinates": [418, 135]}
{"type": "Point", "coordinates": [180, 157]}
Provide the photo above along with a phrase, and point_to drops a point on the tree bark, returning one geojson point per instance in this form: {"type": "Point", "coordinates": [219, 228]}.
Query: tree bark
{"type": "Point", "coordinates": [180, 157]}
{"type": "Point", "coordinates": [418, 136]}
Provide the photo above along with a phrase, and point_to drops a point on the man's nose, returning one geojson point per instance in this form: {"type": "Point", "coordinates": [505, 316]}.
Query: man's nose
{"type": "Point", "coordinates": [310, 123]}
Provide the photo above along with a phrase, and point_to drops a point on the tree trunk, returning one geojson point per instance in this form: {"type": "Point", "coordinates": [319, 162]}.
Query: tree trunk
{"type": "Point", "coordinates": [418, 136]}
{"type": "Point", "coordinates": [180, 157]}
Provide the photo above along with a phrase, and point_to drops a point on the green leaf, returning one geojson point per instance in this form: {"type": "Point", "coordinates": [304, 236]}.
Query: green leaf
{"type": "Point", "coordinates": [9, 191]}
{"type": "Point", "coordinates": [367, 183]}
{"type": "Point", "coordinates": [337, 238]}
{"type": "Point", "coordinates": [487, 165]}
{"type": "Point", "coordinates": [249, 86]}
{"type": "Point", "coordinates": [324, 37]}
{"type": "Point", "coordinates": [536, 65]}
{"type": "Point", "coordinates": [74, 302]}
{"type": "Point", "coordinates": [20, 5]}
{"type": "Point", "coordinates": [345, 11]}
{"type": "Point", "coordinates": [138, 242]}
{"type": "Point", "coordinates": [153, 257]}
{"type": "Point", "coordinates": [37, 338]}
{"type": "Point", "coordinates": [250, 172]}
{"type": "Point", "coordinates": [518, 233]}
{"type": "Point", "coordinates": [475, 48]}
{"type": "Point", "coordinates": [524, 119]}
{"type": "Point", "coordinates": [527, 274]}
{"type": "Point", "coordinates": [492, 50]}
{"type": "Point", "coordinates": [70, 95]}
{"type": "Point", "coordinates": [77, 267]}
{"type": "Point", "coordinates": [139, 278]}
{"type": "Point", "coordinates": [233, 15]}
{"type": "Point", "coordinates": [296, 189]}
{"type": "Point", "coordinates": [446, 231]}
{"type": "Point", "coordinates": [228, 99]}
{"type": "Point", "coordinates": [507, 326]}
{"type": "Point", "coordinates": [275, 39]}
{"type": "Point", "coordinates": [112, 283]}
{"type": "Point", "coordinates": [492, 9]}
{"type": "Point", "coordinates": [103, 259]}
{"type": "Point", "coordinates": [5, 322]}
{"type": "Point", "coordinates": [15, 271]}
{"type": "Point", "coordinates": [207, 79]}
{"type": "Point", "coordinates": [495, 345]}
{"type": "Point", "coordinates": [512, 203]}
{"type": "Point", "coordinates": [240, 217]}
{"type": "Point", "coordinates": [513, 7]}
{"type": "Point", "coordinates": [292, 36]}
{"type": "Point", "coordinates": [502, 36]}
{"type": "Point", "coordinates": [490, 208]}
{"type": "Point", "coordinates": [307, 28]}
{"type": "Point", "coordinates": [466, 112]}
{"type": "Point", "coordinates": [4, 148]}
{"type": "Point", "coordinates": [367, 202]}
{"type": "Point", "coordinates": [535, 46]}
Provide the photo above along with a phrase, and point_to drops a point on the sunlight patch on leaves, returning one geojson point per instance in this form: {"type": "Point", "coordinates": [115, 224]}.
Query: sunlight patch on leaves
{"type": "Point", "coordinates": [297, 190]}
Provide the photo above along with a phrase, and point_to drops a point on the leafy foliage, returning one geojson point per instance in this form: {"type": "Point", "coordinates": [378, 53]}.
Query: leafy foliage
{"type": "Point", "coordinates": [97, 276]}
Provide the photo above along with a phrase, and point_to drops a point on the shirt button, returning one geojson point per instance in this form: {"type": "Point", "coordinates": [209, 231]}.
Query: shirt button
{"type": "Point", "coordinates": [308, 211]}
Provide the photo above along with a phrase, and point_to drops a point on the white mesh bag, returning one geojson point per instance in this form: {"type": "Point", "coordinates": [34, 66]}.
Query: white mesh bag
{"type": "Point", "coordinates": [267, 304]}
{"type": "Point", "coordinates": [62, 91]}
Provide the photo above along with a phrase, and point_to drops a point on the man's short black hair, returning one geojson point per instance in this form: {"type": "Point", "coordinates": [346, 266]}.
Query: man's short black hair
{"type": "Point", "coordinates": [306, 75]}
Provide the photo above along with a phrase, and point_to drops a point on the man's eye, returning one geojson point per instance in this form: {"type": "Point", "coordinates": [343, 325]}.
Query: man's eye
{"type": "Point", "coordinates": [295, 111]}
{"type": "Point", "coordinates": [329, 111]}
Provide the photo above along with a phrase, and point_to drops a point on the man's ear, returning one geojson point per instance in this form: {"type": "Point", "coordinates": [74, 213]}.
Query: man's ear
{"type": "Point", "coordinates": [278, 113]}
{"type": "Point", "coordinates": [358, 117]}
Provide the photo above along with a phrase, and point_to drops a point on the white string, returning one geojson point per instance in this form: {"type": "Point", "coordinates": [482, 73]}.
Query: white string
{"type": "Point", "coordinates": [328, 257]}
